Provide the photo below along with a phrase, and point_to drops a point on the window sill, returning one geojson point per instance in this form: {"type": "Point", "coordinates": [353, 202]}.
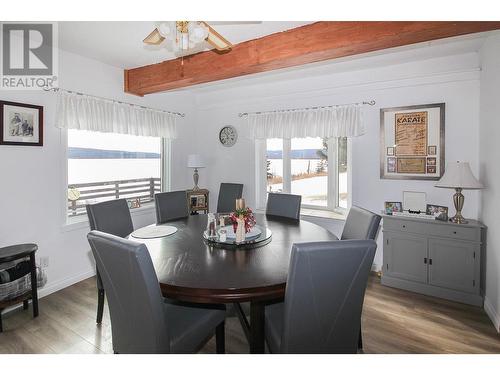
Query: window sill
{"type": "Point", "coordinates": [82, 222]}
{"type": "Point", "coordinates": [327, 214]}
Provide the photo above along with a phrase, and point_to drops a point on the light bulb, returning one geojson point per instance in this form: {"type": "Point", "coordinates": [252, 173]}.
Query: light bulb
{"type": "Point", "coordinates": [199, 33]}
{"type": "Point", "coordinates": [185, 41]}
{"type": "Point", "coordinates": [164, 29]}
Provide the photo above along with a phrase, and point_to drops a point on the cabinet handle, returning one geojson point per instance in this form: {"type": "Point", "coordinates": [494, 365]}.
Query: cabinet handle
{"type": "Point", "coordinates": [404, 226]}
{"type": "Point", "coordinates": [425, 260]}
{"type": "Point", "coordinates": [430, 261]}
{"type": "Point", "coordinates": [454, 232]}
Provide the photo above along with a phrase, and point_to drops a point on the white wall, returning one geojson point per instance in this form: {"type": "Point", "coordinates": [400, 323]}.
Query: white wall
{"type": "Point", "coordinates": [453, 80]}
{"type": "Point", "coordinates": [32, 178]}
{"type": "Point", "coordinates": [490, 172]}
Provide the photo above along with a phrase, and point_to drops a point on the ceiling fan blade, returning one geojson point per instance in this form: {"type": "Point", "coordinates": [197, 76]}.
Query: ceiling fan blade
{"type": "Point", "coordinates": [154, 38]}
{"type": "Point", "coordinates": [216, 40]}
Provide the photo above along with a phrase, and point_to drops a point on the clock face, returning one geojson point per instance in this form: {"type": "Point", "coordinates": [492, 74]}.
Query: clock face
{"type": "Point", "coordinates": [73, 194]}
{"type": "Point", "coordinates": [228, 136]}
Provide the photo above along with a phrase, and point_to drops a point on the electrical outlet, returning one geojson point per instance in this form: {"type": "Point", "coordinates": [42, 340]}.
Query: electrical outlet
{"type": "Point", "coordinates": [44, 262]}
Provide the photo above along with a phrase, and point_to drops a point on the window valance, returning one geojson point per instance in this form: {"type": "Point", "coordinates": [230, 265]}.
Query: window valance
{"type": "Point", "coordinates": [327, 122]}
{"type": "Point", "coordinates": [84, 112]}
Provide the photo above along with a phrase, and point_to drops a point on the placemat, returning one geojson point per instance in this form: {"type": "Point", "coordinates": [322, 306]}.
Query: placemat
{"type": "Point", "coordinates": [154, 231]}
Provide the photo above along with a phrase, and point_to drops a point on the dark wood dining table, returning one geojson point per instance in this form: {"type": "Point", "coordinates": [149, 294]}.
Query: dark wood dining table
{"type": "Point", "coordinates": [189, 269]}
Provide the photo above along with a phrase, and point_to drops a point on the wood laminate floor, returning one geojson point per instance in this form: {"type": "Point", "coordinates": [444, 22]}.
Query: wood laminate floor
{"type": "Point", "coordinates": [394, 321]}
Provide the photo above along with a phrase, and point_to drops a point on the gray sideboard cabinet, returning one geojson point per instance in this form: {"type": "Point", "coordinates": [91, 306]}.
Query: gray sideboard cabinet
{"type": "Point", "coordinates": [432, 257]}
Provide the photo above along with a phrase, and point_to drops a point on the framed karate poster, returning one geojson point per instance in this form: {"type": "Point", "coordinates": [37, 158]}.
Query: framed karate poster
{"type": "Point", "coordinates": [412, 142]}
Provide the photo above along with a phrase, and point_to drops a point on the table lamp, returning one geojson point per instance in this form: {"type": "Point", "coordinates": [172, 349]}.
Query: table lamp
{"type": "Point", "coordinates": [458, 176]}
{"type": "Point", "coordinates": [195, 161]}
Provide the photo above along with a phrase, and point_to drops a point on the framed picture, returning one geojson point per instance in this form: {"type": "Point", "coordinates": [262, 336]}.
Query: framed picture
{"type": "Point", "coordinates": [21, 124]}
{"type": "Point", "coordinates": [391, 207]}
{"type": "Point", "coordinates": [413, 133]}
{"type": "Point", "coordinates": [439, 212]}
{"type": "Point", "coordinates": [414, 201]}
{"type": "Point", "coordinates": [391, 165]}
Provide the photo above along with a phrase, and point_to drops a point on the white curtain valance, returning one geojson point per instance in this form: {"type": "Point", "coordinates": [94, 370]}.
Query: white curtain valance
{"type": "Point", "coordinates": [84, 112]}
{"type": "Point", "coordinates": [329, 122]}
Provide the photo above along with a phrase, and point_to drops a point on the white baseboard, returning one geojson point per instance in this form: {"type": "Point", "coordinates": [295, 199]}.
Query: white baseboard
{"type": "Point", "coordinates": [376, 267]}
{"type": "Point", "coordinates": [492, 313]}
{"type": "Point", "coordinates": [50, 288]}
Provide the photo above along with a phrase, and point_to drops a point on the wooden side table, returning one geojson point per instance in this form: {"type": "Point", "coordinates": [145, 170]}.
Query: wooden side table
{"type": "Point", "coordinates": [197, 201]}
{"type": "Point", "coordinates": [14, 252]}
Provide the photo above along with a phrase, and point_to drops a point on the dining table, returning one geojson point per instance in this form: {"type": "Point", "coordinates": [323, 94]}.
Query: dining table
{"type": "Point", "coordinates": [191, 269]}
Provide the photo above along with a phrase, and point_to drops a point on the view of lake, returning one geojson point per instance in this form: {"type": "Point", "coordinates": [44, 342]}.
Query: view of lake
{"type": "Point", "coordinates": [100, 170]}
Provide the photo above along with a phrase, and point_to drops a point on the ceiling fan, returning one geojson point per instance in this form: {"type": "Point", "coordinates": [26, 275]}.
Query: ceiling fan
{"type": "Point", "coordinates": [186, 35]}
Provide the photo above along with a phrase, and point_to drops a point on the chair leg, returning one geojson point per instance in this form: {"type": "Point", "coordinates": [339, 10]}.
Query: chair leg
{"type": "Point", "coordinates": [360, 339]}
{"type": "Point", "coordinates": [100, 305]}
{"type": "Point", "coordinates": [25, 304]}
{"type": "Point", "coordinates": [220, 340]}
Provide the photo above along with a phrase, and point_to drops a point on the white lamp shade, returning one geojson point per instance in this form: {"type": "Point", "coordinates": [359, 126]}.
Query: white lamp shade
{"type": "Point", "coordinates": [459, 175]}
{"type": "Point", "coordinates": [195, 161]}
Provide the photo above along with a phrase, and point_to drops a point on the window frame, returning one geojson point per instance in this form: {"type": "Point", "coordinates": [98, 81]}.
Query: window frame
{"type": "Point", "coordinates": [165, 175]}
{"type": "Point", "coordinates": [333, 176]}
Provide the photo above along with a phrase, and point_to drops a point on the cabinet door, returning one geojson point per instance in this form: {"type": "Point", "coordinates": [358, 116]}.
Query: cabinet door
{"type": "Point", "coordinates": [405, 256]}
{"type": "Point", "coordinates": [453, 265]}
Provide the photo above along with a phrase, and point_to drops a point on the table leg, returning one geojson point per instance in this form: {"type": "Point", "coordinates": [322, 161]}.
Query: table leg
{"type": "Point", "coordinates": [34, 293]}
{"type": "Point", "coordinates": [257, 338]}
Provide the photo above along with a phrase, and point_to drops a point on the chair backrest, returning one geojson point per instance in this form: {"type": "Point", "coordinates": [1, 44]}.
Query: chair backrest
{"type": "Point", "coordinates": [284, 205]}
{"type": "Point", "coordinates": [360, 224]}
{"type": "Point", "coordinates": [111, 217]}
{"type": "Point", "coordinates": [170, 206]}
{"type": "Point", "coordinates": [324, 296]}
{"type": "Point", "coordinates": [136, 306]}
{"type": "Point", "coordinates": [228, 193]}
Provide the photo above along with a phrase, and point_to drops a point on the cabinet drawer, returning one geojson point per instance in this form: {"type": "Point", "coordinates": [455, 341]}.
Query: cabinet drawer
{"type": "Point", "coordinates": [456, 232]}
{"type": "Point", "coordinates": [433, 229]}
{"type": "Point", "coordinates": [407, 226]}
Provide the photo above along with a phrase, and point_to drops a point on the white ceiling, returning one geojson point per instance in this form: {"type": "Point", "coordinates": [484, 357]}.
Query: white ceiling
{"type": "Point", "coordinates": [120, 43]}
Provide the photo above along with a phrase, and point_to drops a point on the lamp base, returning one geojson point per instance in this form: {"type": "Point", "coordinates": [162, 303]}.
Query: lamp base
{"type": "Point", "coordinates": [458, 219]}
{"type": "Point", "coordinates": [195, 179]}
{"type": "Point", "coordinates": [458, 201]}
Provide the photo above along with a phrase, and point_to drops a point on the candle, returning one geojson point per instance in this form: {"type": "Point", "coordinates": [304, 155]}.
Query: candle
{"type": "Point", "coordinates": [240, 204]}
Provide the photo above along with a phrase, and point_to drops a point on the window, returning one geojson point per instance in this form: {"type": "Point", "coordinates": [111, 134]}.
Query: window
{"type": "Point", "coordinates": [315, 168]}
{"type": "Point", "coordinates": [105, 166]}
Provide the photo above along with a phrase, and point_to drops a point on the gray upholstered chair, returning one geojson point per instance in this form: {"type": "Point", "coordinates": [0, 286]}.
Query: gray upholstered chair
{"type": "Point", "coordinates": [360, 224]}
{"type": "Point", "coordinates": [142, 321]}
{"type": "Point", "coordinates": [283, 205]}
{"type": "Point", "coordinates": [228, 193]}
{"type": "Point", "coordinates": [324, 296]}
{"type": "Point", "coordinates": [170, 206]}
{"type": "Point", "coordinates": [111, 217]}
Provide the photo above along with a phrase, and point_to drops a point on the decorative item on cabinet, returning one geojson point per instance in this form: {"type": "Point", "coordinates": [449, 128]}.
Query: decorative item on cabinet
{"type": "Point", "coordinates": [459, 176]}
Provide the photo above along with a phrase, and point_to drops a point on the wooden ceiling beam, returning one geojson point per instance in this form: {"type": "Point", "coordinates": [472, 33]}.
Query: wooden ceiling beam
{"type": "Point", "coordinates": [303, 45]}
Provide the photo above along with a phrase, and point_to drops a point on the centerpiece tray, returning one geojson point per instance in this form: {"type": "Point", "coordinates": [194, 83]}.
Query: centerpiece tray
{"type": "Point", "coordinates": [258, 236]}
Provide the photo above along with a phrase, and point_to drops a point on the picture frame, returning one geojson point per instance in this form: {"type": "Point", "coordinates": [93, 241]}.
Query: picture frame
{"type": "Point", "coordinates": [414, 201]}
{"type": "Point", "coordinates": [439, 212]}
{"type": "Point", "coordinates": [413, 133]}
{"type": "Point", "coordinates": [391, 207]}
{"type": "Point", "coordinates": [21, 124]}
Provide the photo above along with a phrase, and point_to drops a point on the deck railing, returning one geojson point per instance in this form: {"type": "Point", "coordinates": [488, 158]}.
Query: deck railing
{"type": "Point", "coordinates": [142, 189]}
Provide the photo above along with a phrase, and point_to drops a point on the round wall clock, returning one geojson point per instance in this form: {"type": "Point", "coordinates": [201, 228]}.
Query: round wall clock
{"type": "Point", "coordinates": [228, 136]}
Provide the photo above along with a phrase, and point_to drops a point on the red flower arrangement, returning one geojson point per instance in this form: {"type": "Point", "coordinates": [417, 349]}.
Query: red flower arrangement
{"type": "Point", "coordinates": [248, 218]}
